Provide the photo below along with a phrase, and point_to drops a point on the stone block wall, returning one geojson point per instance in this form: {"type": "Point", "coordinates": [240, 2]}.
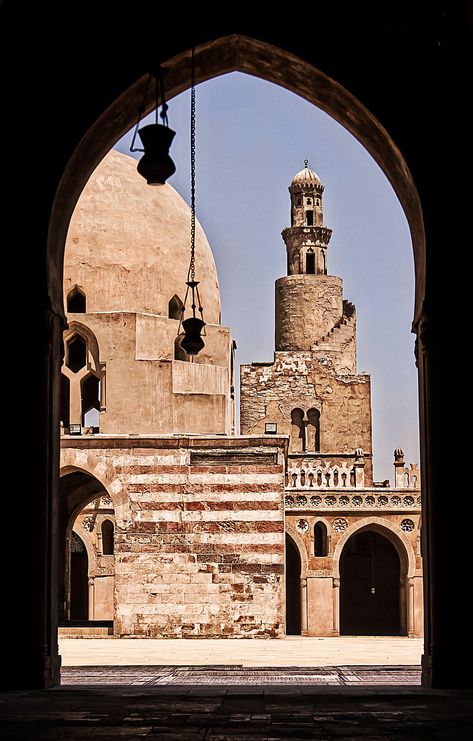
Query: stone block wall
{"type": "Point", "coordinates": [269, 391]}
{"type": "Point", "coordinates": [199, 544]}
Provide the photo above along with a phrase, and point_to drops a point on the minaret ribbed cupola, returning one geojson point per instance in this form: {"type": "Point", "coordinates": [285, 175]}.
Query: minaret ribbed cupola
{"type": "Point", "coordinates": [309, 302]}
{"type": "Point", "coordinates": [307, 238]}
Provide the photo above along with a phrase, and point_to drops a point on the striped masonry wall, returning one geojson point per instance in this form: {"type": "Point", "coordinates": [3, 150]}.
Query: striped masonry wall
{"type": "Point", "coordinates": [202, 553]}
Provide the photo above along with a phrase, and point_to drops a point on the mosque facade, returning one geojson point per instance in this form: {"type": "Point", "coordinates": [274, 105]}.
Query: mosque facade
{"type": "Point", "coordinates": [173, 524]}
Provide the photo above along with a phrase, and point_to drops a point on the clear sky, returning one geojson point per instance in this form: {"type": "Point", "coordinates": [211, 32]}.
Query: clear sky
{"type": "Point", "coordinates": [252, 137]}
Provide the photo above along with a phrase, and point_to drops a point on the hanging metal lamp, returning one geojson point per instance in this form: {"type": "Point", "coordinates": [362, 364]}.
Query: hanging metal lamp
{"type": "Point", "coordinates": [156, 165]}
{"type": "Point", "coordinates": [194, 327]}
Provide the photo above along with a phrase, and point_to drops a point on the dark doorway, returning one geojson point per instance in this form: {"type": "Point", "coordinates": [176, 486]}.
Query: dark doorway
{"type": "Point", "coordinates": [79, 579]}
{"type": "Point", "coordinates": [293, 588]}
{"type": "Point", "coordinates": [370, 573]}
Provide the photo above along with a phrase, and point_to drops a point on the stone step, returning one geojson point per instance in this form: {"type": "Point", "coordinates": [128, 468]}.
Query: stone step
{"type": "Point", "coordinates": [85, 631]}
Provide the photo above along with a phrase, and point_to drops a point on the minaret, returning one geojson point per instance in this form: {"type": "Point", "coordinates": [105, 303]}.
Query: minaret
{"type": "Point", "coordinates": [308, 301]}
{"type": "Point", "coordinates": [307, 238]}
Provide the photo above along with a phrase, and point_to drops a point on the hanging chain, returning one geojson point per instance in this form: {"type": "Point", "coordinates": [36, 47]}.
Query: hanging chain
{"type": "Point", "coordinates": [191, 274]}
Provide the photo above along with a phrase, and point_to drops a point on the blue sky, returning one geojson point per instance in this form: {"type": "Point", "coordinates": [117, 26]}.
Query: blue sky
{"type": "Point", "coordinates": [252, 137]}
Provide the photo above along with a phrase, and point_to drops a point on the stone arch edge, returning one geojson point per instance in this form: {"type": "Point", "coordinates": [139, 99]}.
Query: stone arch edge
{"type": "Point", "coordinates": [384, 527]}
{"type": "Point", "coordinates": [87, 461]}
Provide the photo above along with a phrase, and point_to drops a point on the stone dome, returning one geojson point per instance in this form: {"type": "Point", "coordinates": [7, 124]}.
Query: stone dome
{"type": "Point", "coordinates": [128, 245]}
{"type": "Point", "coordinates": [306, 177]}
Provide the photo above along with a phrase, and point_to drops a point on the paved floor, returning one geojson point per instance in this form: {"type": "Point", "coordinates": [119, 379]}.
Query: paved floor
{"type": "Point", "coordinates": [291, 651]}
{"type": "Point", "coordinates": [186, 690]}
{"type": "Point", "coordinates": [237, 714]}
{"type": "Point", "coordinates": [244, 676]}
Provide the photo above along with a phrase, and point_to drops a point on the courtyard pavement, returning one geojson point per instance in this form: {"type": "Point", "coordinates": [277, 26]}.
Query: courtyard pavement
{"type": "Point", "coordinates": [338, 689]}
{"type": "Point", "coordinates": [292, 651]}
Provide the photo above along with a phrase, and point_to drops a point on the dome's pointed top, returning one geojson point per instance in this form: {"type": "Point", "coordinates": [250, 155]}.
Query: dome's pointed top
{"type": "Point", "coordinates": [306, 176]}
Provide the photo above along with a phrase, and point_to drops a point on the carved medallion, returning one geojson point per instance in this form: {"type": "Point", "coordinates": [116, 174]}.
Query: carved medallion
{"type": "Point", "coordinates": [88, 523]}
{"type": "Point", "coordinates": [302, 526]}
{"type": "Point", "coordinates": [407, 525]}
{"type": "Point", "coordinates": [340, 524]}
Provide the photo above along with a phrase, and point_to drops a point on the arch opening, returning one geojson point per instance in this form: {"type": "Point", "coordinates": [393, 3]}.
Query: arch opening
{"type": "Point", "coordinates": [86, 524]}
{"type": "Point", "coordinates": [293, 588]}
{"type": "Point", "coordinates": [79, 579]}
{"type": "Point", "coordinates": [320, 539]}
{"type": "Point", "coordinates": [371, 599]}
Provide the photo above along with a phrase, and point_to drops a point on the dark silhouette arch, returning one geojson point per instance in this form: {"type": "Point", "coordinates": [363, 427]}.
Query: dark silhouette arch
{"type": "Point", "coordinates": [293, 588]}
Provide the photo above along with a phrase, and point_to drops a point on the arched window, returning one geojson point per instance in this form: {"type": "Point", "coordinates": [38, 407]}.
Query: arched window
{"type": "Point", "coordinates": [297, 431]}
{"type": "Point", "coordinates": [76, 302]}
{"type": "Point", "coordinates": [313, 429]}
{"type": "Point", "coordinates": [309, 218]}
{"type": "Point", "coordinates": [107, 538]}
{"type": "Point", "coordinates": [175, 307]}
{"type": "Point", "coordinates": [76, 353]}
{"type": "Point", "coordinates": [90, 393]}
{"type": "Point", "coordinates": [310, 263]}
{"type": "Point", "coordinates": [320, 539]}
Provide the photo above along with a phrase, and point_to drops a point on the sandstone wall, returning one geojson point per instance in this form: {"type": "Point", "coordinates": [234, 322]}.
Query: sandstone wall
{"type": "Point", "coordinates": [307, 308]}
{"type": "Point", "coordinates": [269, 391]}
{"type": "Point", "coordinates": [148, 392]}
{"type": "Point", "coordinates": [201, 551]}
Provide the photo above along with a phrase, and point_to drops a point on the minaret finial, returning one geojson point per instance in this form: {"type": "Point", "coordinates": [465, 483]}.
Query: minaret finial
{"type": "Point", "coordinates": [306, 163]}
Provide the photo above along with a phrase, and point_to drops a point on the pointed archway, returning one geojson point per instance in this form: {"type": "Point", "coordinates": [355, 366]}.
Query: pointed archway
{"type": "Point", "coordinates": [79, 579]}
{"type": "Point", "coordinates": [370, 586]}
{"type": "Point", "coordinates": [293, 588]}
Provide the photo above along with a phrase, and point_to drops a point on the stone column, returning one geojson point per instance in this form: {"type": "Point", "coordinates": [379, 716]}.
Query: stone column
{"type": "Point", "coordinates": [304, 625]}
{"type": "Point", "coordinates": [30, 653]}
{"type": "Point", "coordinates": [91, 598]}
{"type": "Point", "coordinates": [410, 608]}
{"type": "Point", "coordinates": [103, 387]}
{"type": "Point", "coordinates": [336, 607]}
{"type": "Point", "coordinates": [448, 650]}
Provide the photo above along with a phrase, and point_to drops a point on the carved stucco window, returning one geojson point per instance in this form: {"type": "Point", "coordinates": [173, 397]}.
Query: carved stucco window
{"type": "Point", "coordinates": [83, 379]}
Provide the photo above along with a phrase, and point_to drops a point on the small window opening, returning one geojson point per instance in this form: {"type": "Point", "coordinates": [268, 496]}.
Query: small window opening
{"type": "Point", "coordinates": [107, 538]}
{"type": "Point", "coordinates": [309, 218]}
{"type": "Point", "coordinates": [76, 302]}
{"type": "Point", "coordinates": [90, 392]}
{"type": "Point", "coordinates": [320, 539]}
{"type": "Point", "coordinates": [76, 353]}
{"type": "Point", "coordinates": [175, 307]}
{"type": "Point", "coordinates": [310, 263]}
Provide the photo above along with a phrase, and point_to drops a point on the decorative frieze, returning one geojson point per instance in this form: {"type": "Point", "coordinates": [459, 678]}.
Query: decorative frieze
{"type": "Point", "coordinates": [369, 499]}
